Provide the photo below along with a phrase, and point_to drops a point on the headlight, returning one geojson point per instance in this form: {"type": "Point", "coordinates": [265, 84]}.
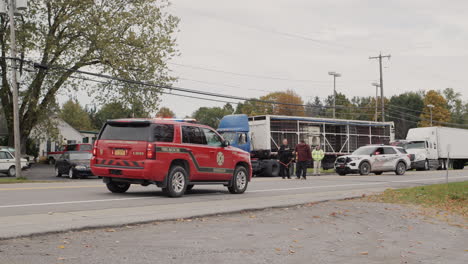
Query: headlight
{"type": "Point", "coordinates": [80, 167]}
{"type": "Point", "coordinates": [354, 158]}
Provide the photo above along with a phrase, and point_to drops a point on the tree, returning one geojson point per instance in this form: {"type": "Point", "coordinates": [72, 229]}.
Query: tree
{"type": "Point", "coordinates": [116, 110]}
{"type": "Point", "coordinates": [129, 39]}
{"type": "Point", "coordinates": [344, 108]}
{"type": "Point", "coordinates": [165, 112]}
{"type": "Point", "coordinates": [455, 106]}
{"type": "Point", "coordinates": [75, 115]}
{"type": "Point", "coordinates": [315, 108]}
{"type": "Point", "coordinates": [211, 116]}
{"type": "Point", "coordinates": [404, 111]}
{"type": "Point", "coordinates": [440, 111]}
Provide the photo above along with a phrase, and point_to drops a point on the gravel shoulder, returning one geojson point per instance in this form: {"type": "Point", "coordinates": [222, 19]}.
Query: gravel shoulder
{"type": "Point", "coordinates": [351, 231]}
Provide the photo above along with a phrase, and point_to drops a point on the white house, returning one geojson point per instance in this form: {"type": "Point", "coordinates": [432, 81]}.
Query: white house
{"type": "Point", "coordinates": [66, 135]}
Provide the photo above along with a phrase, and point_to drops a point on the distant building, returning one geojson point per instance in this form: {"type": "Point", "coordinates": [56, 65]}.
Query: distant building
{"type": "Point", "coordinates": [66, 135]}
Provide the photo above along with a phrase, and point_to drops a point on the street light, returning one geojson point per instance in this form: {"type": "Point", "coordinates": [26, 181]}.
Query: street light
{"type": "Point", "coordinates": [377, 86]}
{"type": "Point", "coordinates": [334, 74]}
{"type": "Point", "coordinates": [15, 7]}
{"type": "Point", "coordinates": [430, 109]}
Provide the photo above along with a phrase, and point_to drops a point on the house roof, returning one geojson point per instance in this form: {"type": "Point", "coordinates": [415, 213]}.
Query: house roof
{"type": "Point", "coordinates": [88, 132]}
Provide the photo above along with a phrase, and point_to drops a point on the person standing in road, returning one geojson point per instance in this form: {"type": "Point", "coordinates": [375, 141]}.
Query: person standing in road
{"type": "Point", "coordinates": [285, 157]}
{"type": "Point", "coordinates": [303, 154]}
{"type": "Point", "coordinates": [317, 155]}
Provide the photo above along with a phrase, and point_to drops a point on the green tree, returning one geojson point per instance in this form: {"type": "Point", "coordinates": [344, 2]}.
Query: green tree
{"type": "Point", "coordinates": [75, 115]}
{"type": "Point", "coordinates": [165, 112]}
{"type": "Point", "coordinates": [344, 107]}
{"type": "Point", "coordinates": [117, 110]}
{"type": "Point", "coordinates": [211, 116]}
{"type": "Point", "coordinates": [128, 39]}
{"type": "Point", "coordinates": [440, 111]}
{"type": "Point", "coordinates": [455, 106]}
{"type": "Point", "coordinates": [315, 108]}
{"type": "Point", "coordinates": [404, 110]}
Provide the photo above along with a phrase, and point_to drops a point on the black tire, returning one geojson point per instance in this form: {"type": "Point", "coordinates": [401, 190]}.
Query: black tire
{"type": "Point", "coordinates": [272, 169]}
{"type": "Point", "coordinates": [11, 171]}
{"type": "Point", "coordinates": [240, 180]}
{"type": "Point", "coordinates": [378, 173]}
{"type": "Point", "coordinates": [342, 173]}
{"type": "Point", "coordinates": [458, 165]}
{"type": "Point", "coordinates": [426, 165]}
{"type": "Point", "coordinates": [176, 182]}
{"type": "Point", "coordinates": [57, 172]}
{"type": "Point", "coordinates": [189, 187]}
{"type": "Point", "coordinates": [51, 161]}
{"type": "Point", "coordinates": [71, 173]}
{"type": "Point", "coordinates": [118, 187]}
{"type": "Point", "coordinates": [364, 168]}
{"type": "Point", "coordinates": [400, 168]}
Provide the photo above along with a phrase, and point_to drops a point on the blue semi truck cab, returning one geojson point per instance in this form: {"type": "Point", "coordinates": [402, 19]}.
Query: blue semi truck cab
{"type": "Point", "coordinates": [235, 129]}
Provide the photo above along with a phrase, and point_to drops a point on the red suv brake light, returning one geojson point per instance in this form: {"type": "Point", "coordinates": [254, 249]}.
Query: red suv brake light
{"type": "Point", "coordinates": [150, 151]}
{"type": "Point", "coordinates": [95, 150]}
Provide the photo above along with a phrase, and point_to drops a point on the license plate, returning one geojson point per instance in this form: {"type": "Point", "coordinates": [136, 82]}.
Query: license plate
{"type": "Point", "coordinates": [120, 152]}
{"type": "Point", "coordinates": [115, 172]}
{"type": "Point", "coordinates": [342, 166]}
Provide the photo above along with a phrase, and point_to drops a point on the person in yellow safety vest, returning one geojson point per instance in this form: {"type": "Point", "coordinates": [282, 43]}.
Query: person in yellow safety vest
{"type": "Point", "coordinates": [317, 156]}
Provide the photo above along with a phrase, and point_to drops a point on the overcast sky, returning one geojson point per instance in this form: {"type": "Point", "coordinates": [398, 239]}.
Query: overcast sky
{"type": "Point", "coordinates": [274, 45]}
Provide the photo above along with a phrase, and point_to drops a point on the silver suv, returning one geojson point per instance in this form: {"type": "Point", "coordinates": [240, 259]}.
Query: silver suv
{"type": "Point", "coordinates": [374, 158]}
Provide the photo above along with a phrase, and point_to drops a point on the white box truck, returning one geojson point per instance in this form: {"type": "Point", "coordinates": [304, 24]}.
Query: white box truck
{"type": "Point", "coordinates": [438, 147]}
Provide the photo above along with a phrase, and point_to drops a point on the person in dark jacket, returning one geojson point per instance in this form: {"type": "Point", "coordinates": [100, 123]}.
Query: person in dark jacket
{"type": "Point", "coordinates": [304, 156]}
{"type": "Point", "coordinates": [285, 159]}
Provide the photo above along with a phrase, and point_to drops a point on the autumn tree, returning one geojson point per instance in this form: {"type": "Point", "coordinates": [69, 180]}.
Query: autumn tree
{"type": "Point", "coordinates": [129, 39]}
{"type": "Point", "coordinates": [75, 115]}
{"type": "Point", "coordinates": [457, 109]}
{"type": "Point", "coordinates": [440, 111]}
{"type": "Point", "coordinates": [165, 112]}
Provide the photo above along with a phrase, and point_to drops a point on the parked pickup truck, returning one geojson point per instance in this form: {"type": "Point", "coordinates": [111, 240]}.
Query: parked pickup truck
{"type": "Point", "coordinates": [438, 147]}
{"type": "Point", "coordinates": [53, 156]}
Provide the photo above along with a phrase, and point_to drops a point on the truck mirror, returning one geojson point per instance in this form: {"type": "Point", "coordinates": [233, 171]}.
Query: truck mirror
{"type": "Point", "coordinates": [225, 144]}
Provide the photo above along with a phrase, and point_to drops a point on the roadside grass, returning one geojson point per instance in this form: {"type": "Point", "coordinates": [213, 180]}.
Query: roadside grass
{"type": "Point", "coordinates": [311, 170]}
{"type": "Point", "coordinates": [451, 198]}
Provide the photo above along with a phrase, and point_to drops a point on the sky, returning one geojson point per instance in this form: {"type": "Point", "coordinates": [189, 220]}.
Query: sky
{"type": "Point", "coordinates": [252, 47]}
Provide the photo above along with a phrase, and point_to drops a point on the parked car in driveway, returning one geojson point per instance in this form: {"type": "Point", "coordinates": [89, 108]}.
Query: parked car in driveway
{"type": "Point", "coordinates": [7, 163]}
{"type": "Point", "coordinates": [75, 164]}
{"type": "Point", "coordinates": [374, 158]}
{"type": "Point", "coordinates": [30, 159]}
{"type": "Point", "coordinates": [52, 157]}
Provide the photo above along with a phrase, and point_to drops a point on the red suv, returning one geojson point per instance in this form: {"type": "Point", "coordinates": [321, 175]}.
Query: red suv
{"type": "Point", "coordinates": [173, 155]}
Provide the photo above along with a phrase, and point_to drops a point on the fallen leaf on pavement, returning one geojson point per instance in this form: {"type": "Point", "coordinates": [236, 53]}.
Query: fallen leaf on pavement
{"type": "Point", "coordinates": [110, 230]}
{"type": "Point", "coordinates": [278, 249]}
{"type": "Point", "coordinates": [291, 251]}
{"type": "Point", "coordinates": [61, 246]}
{"type": "Point", "coordinates": [315, 216]}
{"type": "Point", "coordinates": [364, 253]}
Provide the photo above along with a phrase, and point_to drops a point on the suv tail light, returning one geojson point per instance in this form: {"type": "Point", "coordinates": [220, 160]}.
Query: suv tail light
{"type": "Point", "coordinates": [95, 150]}
{"type": "Point", "coordinates": [150, 151]}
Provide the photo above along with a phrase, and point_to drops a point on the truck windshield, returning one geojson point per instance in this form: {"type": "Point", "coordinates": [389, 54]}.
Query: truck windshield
{"type": "Point", "coordinates": [364, 151]}
{"type": "Point", "coordinates": [416, 145]}
{"type": "Point", "coordinates": [229, 136]}
{"type": "Point", "coordinates": [126, 131]}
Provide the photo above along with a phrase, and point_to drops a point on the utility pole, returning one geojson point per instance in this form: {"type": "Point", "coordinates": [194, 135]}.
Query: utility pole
{"type": "Point", "coordinates": [430, 109]}
{"type": "Point", "coordinates": [14, 6]}
{"type": "Point", "coordinates": [334, 74]}
{"type": "Point", "coordinates": [381, 81]}
{"type": "Point", "coordinates": [377, 85]}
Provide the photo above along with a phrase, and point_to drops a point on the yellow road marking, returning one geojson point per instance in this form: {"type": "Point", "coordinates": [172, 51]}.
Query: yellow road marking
{"type": "Point", "coordinates": [50, 187]}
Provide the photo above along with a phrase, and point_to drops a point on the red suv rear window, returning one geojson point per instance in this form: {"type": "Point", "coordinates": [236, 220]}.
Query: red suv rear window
{"type": "Point", "coordinates": [126, 131]}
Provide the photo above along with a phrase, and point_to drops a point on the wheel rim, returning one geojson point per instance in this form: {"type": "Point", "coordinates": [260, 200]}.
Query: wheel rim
{"type": "Point", "coordinates": [426, 165]}
{"type": "Point", "coordinates": [56, 171]}
{"type": "Point", "coordinates": [178, 182]}
{"type": "Point", "coordinates": [70, 173]}
{"type": "Point", "coordinates": [401, 168]}
{"type": "Point", "coordinates": [12, 171]}
{"type": "Point", "coordinates": [365, 168]}
{"type": "Point", "coordinates": [241, 180]}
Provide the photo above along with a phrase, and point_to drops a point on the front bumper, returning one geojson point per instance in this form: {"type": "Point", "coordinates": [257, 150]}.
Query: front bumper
{"type": "Point", "coordinates": [83, 172]}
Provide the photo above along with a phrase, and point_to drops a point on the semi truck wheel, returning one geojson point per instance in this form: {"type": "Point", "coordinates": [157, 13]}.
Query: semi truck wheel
{"type": "Point", "coordinates": [270, 168]}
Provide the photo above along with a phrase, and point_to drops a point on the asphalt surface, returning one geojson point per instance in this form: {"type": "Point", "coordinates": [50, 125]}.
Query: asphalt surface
{"type": "Point", "coordinates": [33, 208]}
{"type": "Point", "coordinates": [332, 232]}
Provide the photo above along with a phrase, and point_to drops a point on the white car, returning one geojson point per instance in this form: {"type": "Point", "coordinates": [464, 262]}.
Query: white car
{"type": "Point", "coordinates": [374, 158]}
{"type": "Point", "coordinates": [7, 163]}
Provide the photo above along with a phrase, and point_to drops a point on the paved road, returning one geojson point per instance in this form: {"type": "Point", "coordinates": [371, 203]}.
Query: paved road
{"type": "Point", "coordinates": [47, 207]}
{"type": "Point", "coordinates": [351, 232]}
